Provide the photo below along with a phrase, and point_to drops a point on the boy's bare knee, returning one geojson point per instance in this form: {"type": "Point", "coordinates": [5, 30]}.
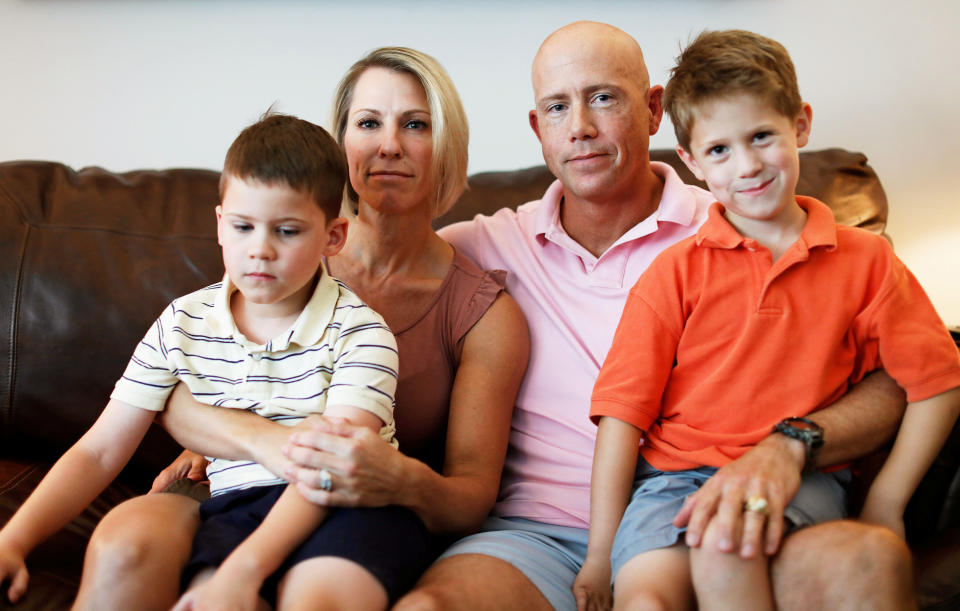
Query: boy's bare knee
{"type": "Point", "coordinates": [135, 554]}
{"type": "Point", "coordinates": [118, 547]}
{"type": "Point", "coordinates": [710, 567]}
{"type": "Point", "coordinates": [643, 600]}
{"type": "Point", "coordinates": [654, 580]}
{"type": "Point", "coordinates": [328, 582]}
{"type": "Point", "coordinates": [143, 533]}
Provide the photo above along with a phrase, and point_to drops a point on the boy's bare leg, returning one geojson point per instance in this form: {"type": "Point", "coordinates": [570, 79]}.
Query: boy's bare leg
{"type": "Point", "coordinates": [473, 582]}
{"type": "Point", "coordinates": [724, 580]}
{"type": "Point", "coordinates": [330, 583]}
{"type": "Point", "coordinates": [658, 579]}
{"type": "Point", "coordinates": [869, 568]}
{"type": "Point", "coordinates": [137, 552]}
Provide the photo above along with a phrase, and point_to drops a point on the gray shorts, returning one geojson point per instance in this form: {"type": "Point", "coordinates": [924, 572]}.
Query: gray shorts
{"type": "Point", "coordinates": [550, 556]}
{"type": "Point", "coordinates": [657, 497]}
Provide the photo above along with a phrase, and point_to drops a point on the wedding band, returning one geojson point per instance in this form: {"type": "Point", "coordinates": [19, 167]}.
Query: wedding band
{"type": "Point", "coordinates": [757, 504]}
{"type": "Point", "coordinates": [326, 482]}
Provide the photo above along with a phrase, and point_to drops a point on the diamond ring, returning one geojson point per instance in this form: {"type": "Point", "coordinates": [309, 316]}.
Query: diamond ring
{"type": "Point", "coordinates": [326, 481]}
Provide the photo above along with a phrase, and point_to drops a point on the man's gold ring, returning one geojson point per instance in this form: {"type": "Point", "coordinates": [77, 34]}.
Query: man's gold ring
{"type": "Point", "coordinates": [757, 504]}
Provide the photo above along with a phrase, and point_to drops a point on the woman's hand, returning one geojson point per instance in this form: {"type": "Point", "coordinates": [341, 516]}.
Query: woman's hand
{"type": "Point", "coordinates": [364, 469]}
{"type": "Point", "coordinates": [189, 465]}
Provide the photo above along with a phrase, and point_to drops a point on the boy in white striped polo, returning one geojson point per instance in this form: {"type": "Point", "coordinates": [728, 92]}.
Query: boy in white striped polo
{"type": "Point", "coordinates": [279, 337]}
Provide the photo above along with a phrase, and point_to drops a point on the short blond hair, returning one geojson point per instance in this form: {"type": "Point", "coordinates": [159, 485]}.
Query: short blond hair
{"type": "Point", "coordinates": [451, 133]}
{"type": "Point", "coordinates": [722, 63]}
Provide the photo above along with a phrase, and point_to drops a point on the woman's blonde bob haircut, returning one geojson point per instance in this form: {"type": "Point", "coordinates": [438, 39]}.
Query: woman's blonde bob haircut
{"type": "Point", "coordinates": [448, 120]}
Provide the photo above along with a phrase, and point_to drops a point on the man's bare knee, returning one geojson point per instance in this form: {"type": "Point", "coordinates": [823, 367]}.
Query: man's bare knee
{"type": "Point", "coordinates": [437, 589]}
{"type": "Point", "coordinates": [475, 582]}
{"type": "Point", "coordinates": [843, 564]}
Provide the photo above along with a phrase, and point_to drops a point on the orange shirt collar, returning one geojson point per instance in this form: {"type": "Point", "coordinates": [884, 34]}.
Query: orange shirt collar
{"type": "Point", "coordinates": [819, 230]}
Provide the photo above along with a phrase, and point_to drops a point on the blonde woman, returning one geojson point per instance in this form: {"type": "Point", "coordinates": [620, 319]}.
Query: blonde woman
{"type": "Point", "coordinates": [463, 347]}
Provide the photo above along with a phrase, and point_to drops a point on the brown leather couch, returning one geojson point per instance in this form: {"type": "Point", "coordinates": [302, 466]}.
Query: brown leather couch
{"type": "Point", "coordinates": [89, 258]}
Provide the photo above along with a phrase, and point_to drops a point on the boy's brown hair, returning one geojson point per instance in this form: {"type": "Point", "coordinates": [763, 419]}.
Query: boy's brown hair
{"type": "Point", "coordinates": [722, 63]}
{"type": "Point", "coordinates": [284, 149]}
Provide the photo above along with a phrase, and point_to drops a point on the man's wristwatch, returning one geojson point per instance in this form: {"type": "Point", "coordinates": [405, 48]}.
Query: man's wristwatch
{"type": "Point", "coordinates": [807, 431]}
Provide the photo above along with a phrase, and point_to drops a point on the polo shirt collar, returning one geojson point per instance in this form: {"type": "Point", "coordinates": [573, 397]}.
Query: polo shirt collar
{"type": "Point", "coordinates": [820, 230]}
{"type": "Point", "coordinates": [547, 221]}
{"type": "Point", "coordinates": [677, 205]}
{"type": "Point", "coordinates": [307, 330]}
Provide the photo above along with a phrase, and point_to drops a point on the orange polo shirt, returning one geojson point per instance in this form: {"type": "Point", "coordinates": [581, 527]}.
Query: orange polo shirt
{"type": "Point", "coordinates": [717, 343]}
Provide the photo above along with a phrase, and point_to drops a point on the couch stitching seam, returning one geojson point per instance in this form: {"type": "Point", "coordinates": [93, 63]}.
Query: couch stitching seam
{"type": "Point", "coordinates": [14, 313]}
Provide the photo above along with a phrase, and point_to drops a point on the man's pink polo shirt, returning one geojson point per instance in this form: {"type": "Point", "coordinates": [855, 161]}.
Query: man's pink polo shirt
{"type": "Point", "coordinates": [572, 301]}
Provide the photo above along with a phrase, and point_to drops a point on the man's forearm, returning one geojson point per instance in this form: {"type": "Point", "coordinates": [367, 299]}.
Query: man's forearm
{"type": "Point", "coordinates": [861, 421]}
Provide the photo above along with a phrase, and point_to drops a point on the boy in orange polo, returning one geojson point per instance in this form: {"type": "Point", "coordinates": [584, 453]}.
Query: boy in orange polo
{"type": "Point", "coordinates": [769, 313]}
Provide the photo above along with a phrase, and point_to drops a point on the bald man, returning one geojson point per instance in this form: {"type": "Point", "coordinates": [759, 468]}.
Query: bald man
{"type": "Point", "coordinates": [572, 257]}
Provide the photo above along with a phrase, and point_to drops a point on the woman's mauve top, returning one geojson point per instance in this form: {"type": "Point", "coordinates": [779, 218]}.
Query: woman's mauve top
{"type": "Point", "coordinates": [430, 350]}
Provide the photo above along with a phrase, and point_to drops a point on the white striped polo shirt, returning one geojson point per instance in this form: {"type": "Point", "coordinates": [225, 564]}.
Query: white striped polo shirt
{"type": "Point", "coordinates": [338, 352]}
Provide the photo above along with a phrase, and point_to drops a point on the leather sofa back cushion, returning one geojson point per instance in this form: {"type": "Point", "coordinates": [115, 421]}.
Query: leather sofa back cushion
{"type": "Point", "coordinates": [89, 258]}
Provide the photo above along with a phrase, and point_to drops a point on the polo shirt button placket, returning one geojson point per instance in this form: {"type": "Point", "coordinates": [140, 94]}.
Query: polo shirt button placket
{"type": "Point", "coordinates": [254, 358]}
{"type": "Point", "coordinates": [609, 270]}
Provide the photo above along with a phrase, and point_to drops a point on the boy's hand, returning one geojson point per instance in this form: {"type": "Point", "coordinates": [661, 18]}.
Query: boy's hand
{"type": "Point", "coordinates": [13, 567]}
{"type": "Point", "coordinates": [591, 588]}
{"type": "Point", "coordinates": [189, 465]}
{"type": "Point", "coordinates": [222, 592]}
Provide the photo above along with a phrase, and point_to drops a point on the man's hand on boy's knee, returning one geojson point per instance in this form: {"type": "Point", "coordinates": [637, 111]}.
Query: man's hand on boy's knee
{"type": "Point", "coordinates": [769, 472]}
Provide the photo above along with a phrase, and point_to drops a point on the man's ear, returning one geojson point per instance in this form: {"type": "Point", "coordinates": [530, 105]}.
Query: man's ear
{"type": "Point", "coordinates": [534, 124]}
{"type": "Point", "coordinates": [690, 162]}
{"type": "Point", "coordinates": [804, 125]}
{"type": "Point", "coordinates": [655, 105]}
{"type": "Point", "coordinates": [336, 236]}
{"type": "Point", "coordinates": [220, 221]}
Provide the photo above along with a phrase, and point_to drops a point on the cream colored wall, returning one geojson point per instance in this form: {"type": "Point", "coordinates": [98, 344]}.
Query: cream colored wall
{"type": "Point", "coordinates": [153, 83]}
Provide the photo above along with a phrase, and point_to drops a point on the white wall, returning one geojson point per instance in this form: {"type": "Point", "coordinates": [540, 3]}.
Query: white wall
{"type": "Point", "coordinates": [151, 83]}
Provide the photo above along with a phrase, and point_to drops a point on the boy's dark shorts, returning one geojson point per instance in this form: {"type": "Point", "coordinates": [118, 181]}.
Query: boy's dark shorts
{"type": "Point", "coordinates": [390, 542]}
